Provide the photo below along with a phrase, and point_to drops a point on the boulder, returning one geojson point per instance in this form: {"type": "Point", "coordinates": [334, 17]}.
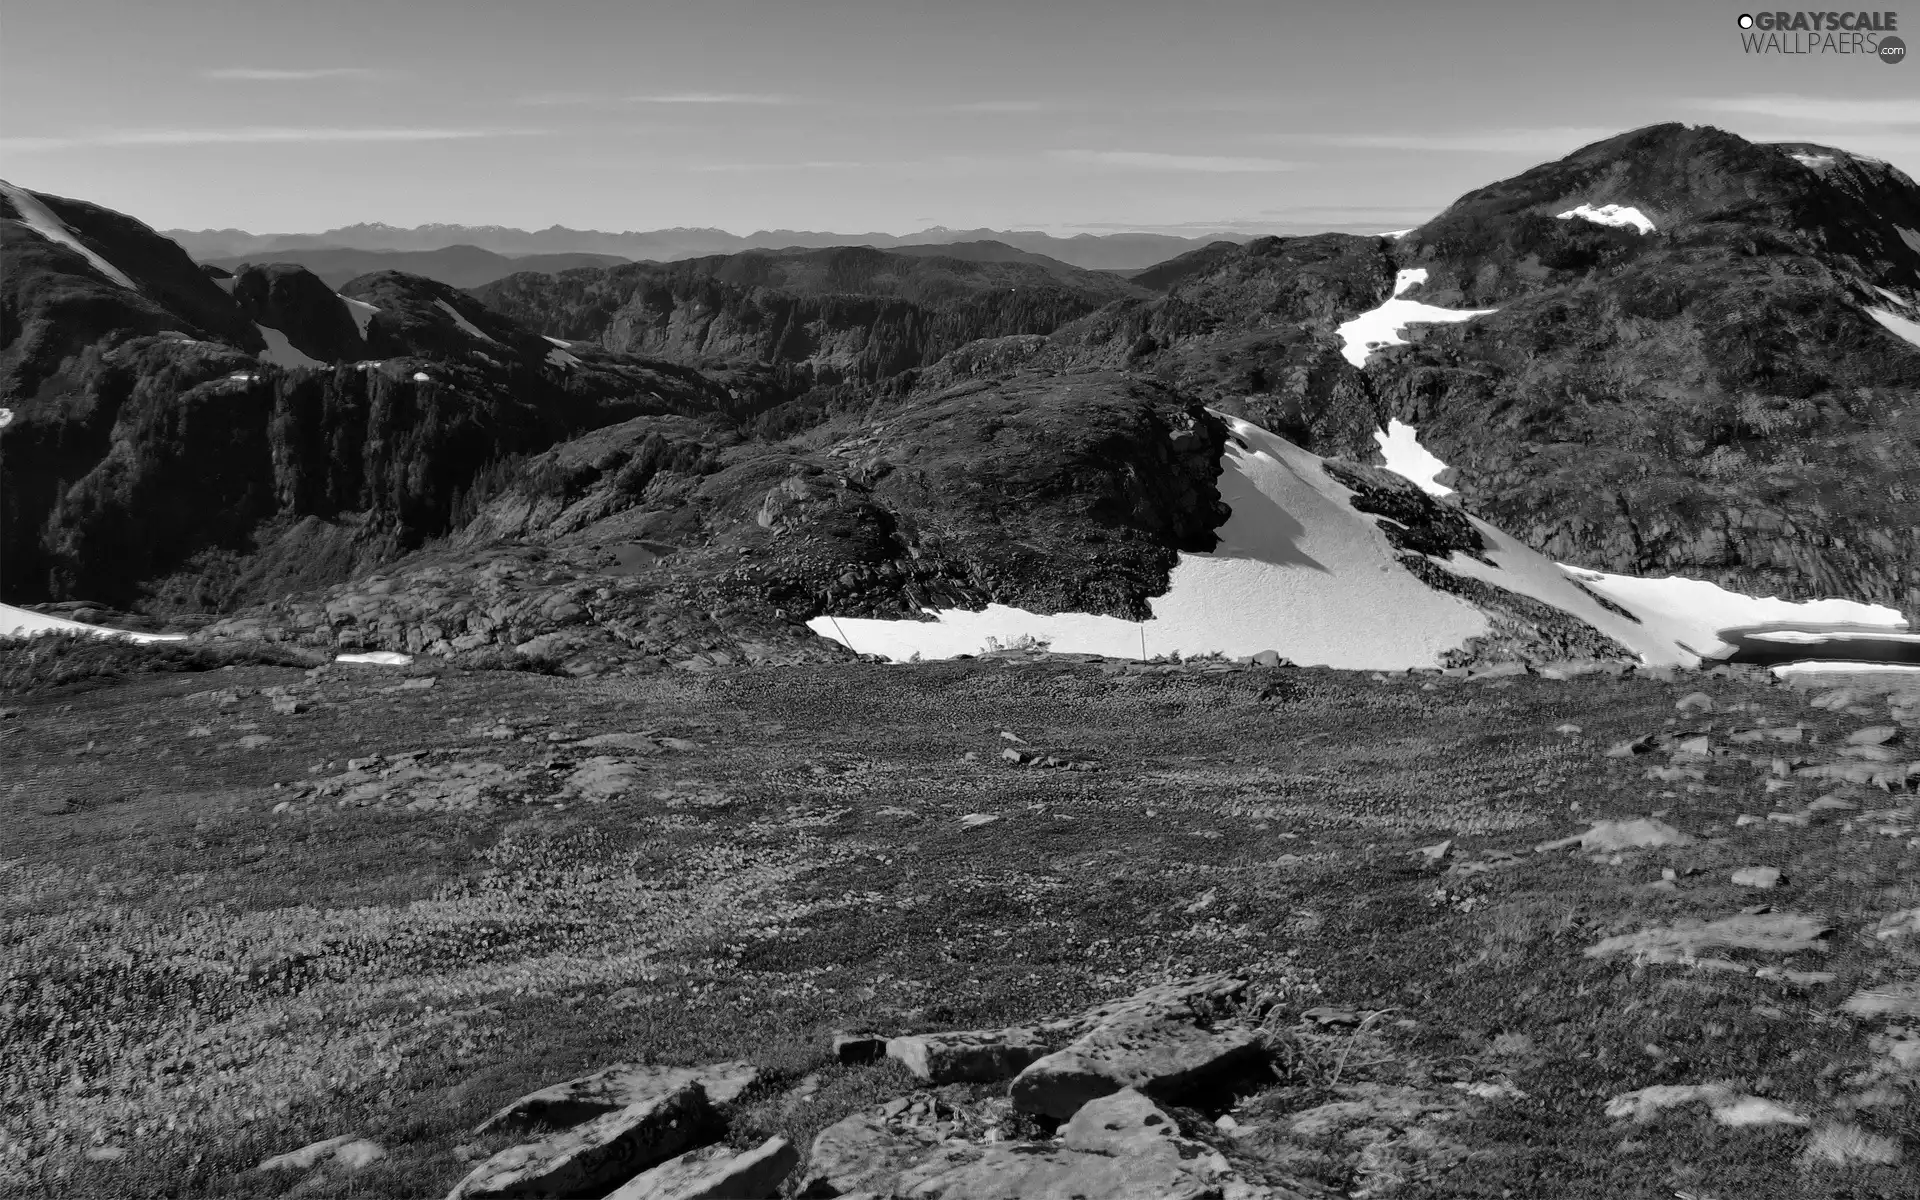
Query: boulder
{"type": "Point", "coordinates": [306, 1157]}
{"type": "Point", "coordinates": [594, 1158]}
{"type": "Point", "coordinates": [980, 1056]}
{"type": "Point", "coordinates": [617, 1087]}
{"type": "Point", "coordinates": [858, 1154]}
{"type": "Point", "coordinates": [1167, 1059]}
{"type": "Point", "coordinates": [716, 1173]}
{"type": "Point", "coordinates": [1121, 1147]}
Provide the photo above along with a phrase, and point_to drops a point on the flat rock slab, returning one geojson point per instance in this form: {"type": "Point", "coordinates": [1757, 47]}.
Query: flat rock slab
{"type": "Point", "coordinates": [1120, 1147]}
{"type": "Point", "coordinates": [593, 1159]}
{"type": "Point", "coordinates": [1168, 1060]}
{"type": "Point", "coordinates": [1187, 999]}
{"type": "Point", "coordinates": [617, 1087]}
{"type": "Point", "coordinates": [1769, 933]}
{"type": "Point", "coordinates": [306, 1157]}
{"type": "Point", "coordinates": [978, 1056]}
{"type": "Point", "coordinates": [1642, 833]}
{"type": "Point", "coordinates": [1888, 1000]}
{"type": "Point", "coordinates": [716, 1173]}
{"type": "Point", "coordinates": [858, 1154]}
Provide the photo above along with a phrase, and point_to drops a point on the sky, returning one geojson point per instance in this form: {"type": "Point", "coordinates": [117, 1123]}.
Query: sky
{"type": "Point", "coordinates": [876, 115]}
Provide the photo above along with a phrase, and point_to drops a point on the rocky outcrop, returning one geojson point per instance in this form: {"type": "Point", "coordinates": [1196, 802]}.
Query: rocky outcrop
{"type": "Point", "coordinates": [617, 1087]}
{"type": "Point", "coordinates": [978, 1057]}
{"type": "Point", "coordinates": [716, 1173]}
{"type": "Point", "coordinates": [1122, 1145]}
{"type": "Point", "coordinates": [593, 1158]}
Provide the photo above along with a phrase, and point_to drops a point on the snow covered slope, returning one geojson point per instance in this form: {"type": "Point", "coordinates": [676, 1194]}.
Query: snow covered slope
{"type": "Point", "coordinates": [1301, 570]}
{"type": "Point", "coordinates": [20, 622]}
{"type": "Point", "coordinates": [281, 352]}
{"type": "Point", "coordinates": [1297, 570]}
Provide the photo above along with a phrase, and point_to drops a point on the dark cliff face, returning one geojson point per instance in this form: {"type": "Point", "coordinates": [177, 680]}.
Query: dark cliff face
{"type": "Point", "coordinates": [294, 301]}
{"type": "Point", "coordinates": [155, 460]}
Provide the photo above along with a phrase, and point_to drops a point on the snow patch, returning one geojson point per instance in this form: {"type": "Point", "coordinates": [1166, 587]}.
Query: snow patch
{"type": "Point", "coordinates": [1814, 161]}
{"type": "Point", "coordinates": [1894, 296]}
{"type": "Point", "coordinates": [1617, 215]}
{"type": "Point", "coordinates": [1520, 569]}
{"type": "Point", "coordinates": [1382, 326]}
{"type": "Point", "coordinates": [281, 352]}
{"type": "Point", "coordinates": [1904, 328]}
{"type": "Point", "coordinates": [1396, 234]}
{"type": "Point", "coordinates": [1809, 637]}
{"type": "Point", "coordinates": [361, 312]}
{"type": "Point", "coordinates": [1690, 613]}
{"type": "Point", "coordinates": [1407, 457]}
{"type": "Point", "coordinates": [1908, 236]}
{"type": "Point", "coordinates": [421, 377]}
{"type": "Point", "coordinates": [20, 622]}
{"type": "Point", "coordinates": [560, 358]}
{"type": "Point", "coordinates": [228, 284]}
{"type": "Point", "coordinates": [466, 326]}
{"type": "Point", "coordinates": [1844, 668]}
{"type": "Point", "coordinates": [377, 658]}
{"type": "Point", "coordinates": [41, 220]}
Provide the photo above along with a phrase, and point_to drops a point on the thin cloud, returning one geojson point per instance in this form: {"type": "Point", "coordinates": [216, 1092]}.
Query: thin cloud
{"type": "Point", "coordinates": [259, 135]}
{"type": "Point", "coordinates": [283, 75]}
{"type": "Point", "coordinates": [1817, 108]}
{"type": "Point", "coordinates": [999, 106]}
{"type": "Point", "coordinates": [741, 167]}
{"type": "Point", "coordinates": [1146, 160]}
{"type": "Point", "coordinates": [1552, 139]}
{"type": "Point", "coordinates": [712, 98]}
{"type": "Point", "coordinates": [556, 98]}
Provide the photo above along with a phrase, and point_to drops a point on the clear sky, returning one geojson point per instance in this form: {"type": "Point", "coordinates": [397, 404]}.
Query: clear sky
{"type": "Point", "coordinates": [875, 115]}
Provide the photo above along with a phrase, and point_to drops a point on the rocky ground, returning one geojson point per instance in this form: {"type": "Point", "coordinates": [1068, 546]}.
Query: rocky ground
{"type": "Point", "coordinates": [1018, 926]}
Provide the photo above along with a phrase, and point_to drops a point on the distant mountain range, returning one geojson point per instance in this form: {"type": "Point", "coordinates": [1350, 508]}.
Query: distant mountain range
{"type": "Point", "coordinates": [1113, 251]}
{"type": "Point", "coordinates": [459, 266]}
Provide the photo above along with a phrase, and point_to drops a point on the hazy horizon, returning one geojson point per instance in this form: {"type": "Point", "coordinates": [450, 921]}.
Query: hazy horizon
{"type": "Point", "coordinates": [863, 116]}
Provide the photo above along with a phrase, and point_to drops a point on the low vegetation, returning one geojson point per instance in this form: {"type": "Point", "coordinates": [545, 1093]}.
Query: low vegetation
{"type": "Point", "coordinates": [288, 907]}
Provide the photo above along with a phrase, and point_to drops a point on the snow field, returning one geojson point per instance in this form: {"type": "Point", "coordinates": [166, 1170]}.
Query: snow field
{"type": "Point", "coordinates": [1382, 326]}
{"type": "Point", "coordinates": [1618, 215]}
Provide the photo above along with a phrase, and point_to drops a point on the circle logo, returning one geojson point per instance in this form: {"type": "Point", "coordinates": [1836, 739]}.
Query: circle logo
{"type": "Point", "coordinates": [1746, 20]}
{"type": "Point", "coordinates": [1892, 50]}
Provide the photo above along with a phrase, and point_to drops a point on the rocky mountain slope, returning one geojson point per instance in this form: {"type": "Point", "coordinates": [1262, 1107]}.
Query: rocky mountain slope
{"type": "Point", "coordinates": [1671, 352]}
{"type": "Point", "coordinates": [184, 440]}
{"type": "Point", "coordinates": [461, 266]}
{"type": "Point", "coordinates": [1730, 396]}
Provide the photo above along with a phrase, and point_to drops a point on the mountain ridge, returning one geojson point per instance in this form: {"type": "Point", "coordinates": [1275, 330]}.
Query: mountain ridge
{"type": "Point", "coordinates": [1687, 354]}
{"type": "Point", "coordinates": [1114, 251]}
